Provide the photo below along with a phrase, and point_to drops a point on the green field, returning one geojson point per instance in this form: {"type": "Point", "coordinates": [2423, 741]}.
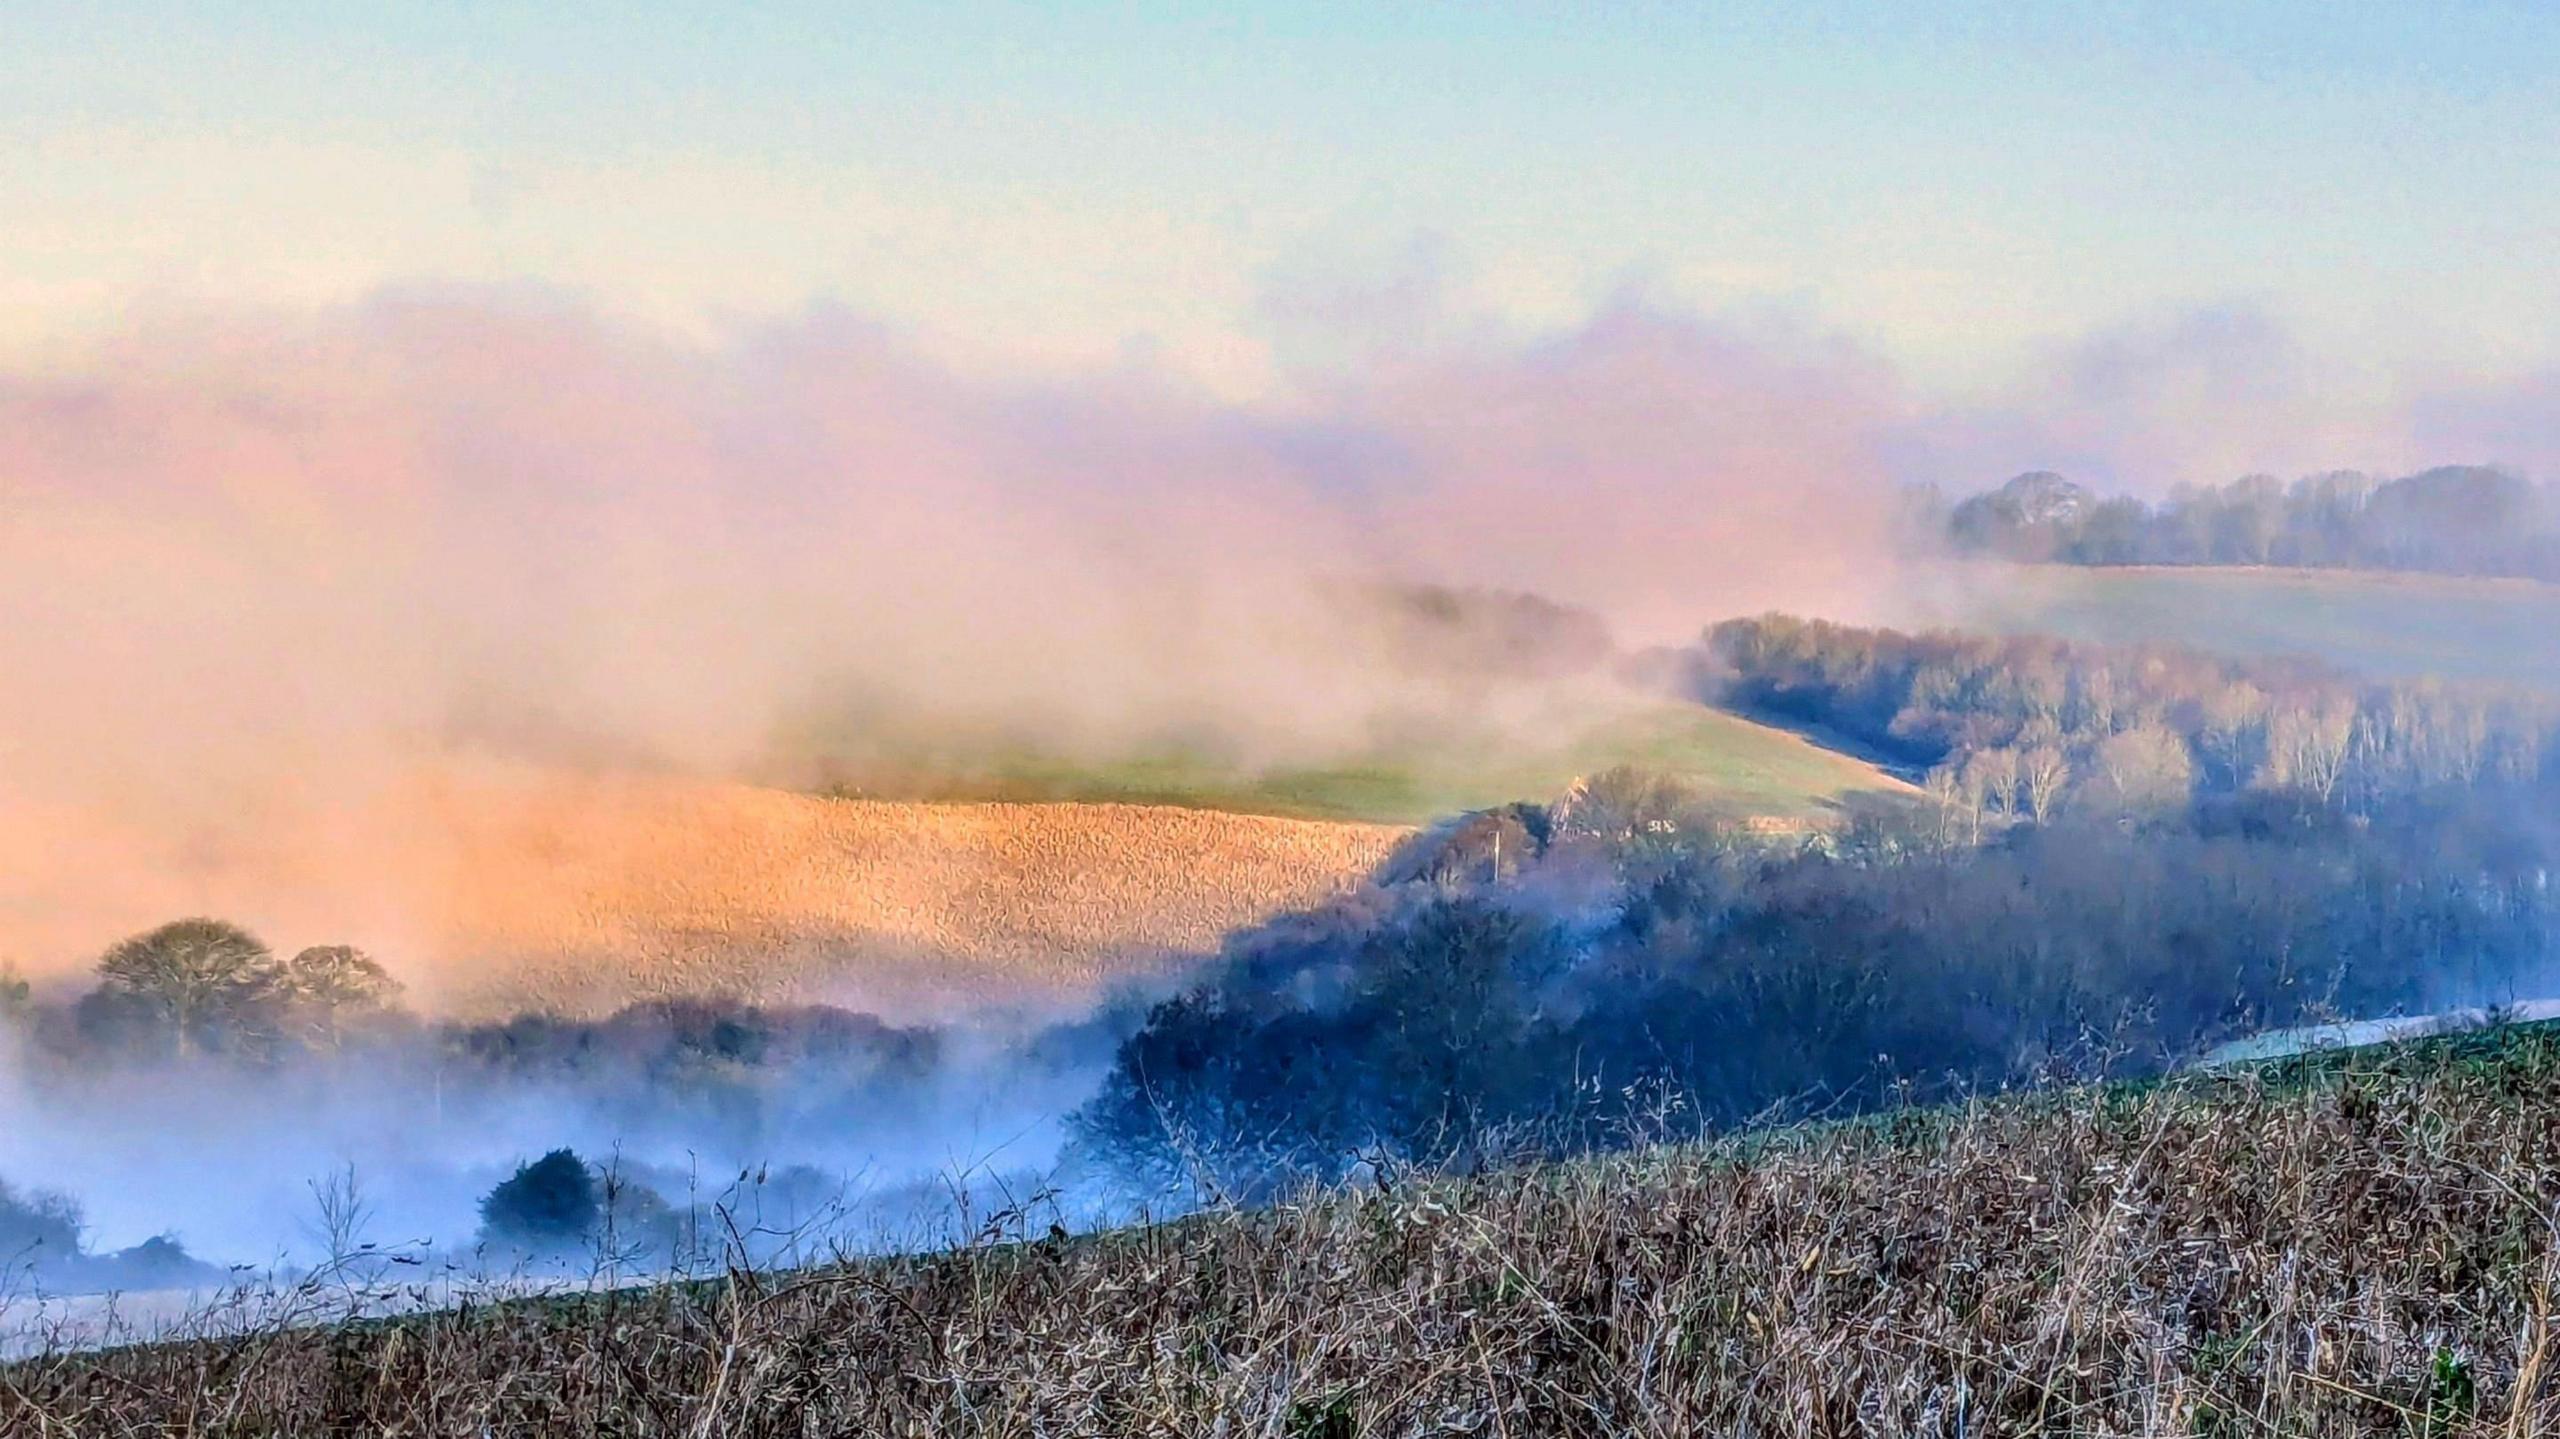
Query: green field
{"type": "Point", "coordinates": [1736, 765]}
{"type": "Point", "coordinates": [2387, 625]}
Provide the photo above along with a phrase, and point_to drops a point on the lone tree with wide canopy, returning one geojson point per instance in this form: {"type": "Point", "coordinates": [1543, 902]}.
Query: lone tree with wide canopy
{"type": "Point", "coordinates": [198, 979]}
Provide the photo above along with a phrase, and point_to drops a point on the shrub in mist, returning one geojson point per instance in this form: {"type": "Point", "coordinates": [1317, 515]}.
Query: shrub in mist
{"type": "Point", "coordinates": [560, 1206]}
{"type": "Point", "coordinates": [546, 1206]}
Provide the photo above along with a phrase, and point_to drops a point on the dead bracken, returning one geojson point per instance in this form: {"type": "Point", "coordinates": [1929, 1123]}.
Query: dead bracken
{"type": "Point", "coordinates": [2344, 1246]}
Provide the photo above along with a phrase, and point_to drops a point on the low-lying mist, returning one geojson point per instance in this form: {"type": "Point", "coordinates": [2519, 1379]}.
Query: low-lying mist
{"type": "Point", "coordinates": [803, 1128]}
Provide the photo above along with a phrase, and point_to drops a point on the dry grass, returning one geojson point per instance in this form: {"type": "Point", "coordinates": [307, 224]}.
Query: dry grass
{"type": "Point", "coordinates": [2362, 1255]}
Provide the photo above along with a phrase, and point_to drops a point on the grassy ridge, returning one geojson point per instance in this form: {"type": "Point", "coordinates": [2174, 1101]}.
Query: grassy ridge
{"type": "Point", "coordinates": [2387, 625]}
{"type": "Point", "coordinates": [2339, 1244]}
{"type": "Point", "coordinates": [1736, 764]}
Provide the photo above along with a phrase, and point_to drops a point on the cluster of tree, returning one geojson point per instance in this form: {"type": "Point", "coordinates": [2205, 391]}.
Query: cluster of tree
{"type": "Point", "coordinates": [681, 1075]}
{"type": "Point", "coordinates": [1709, 978]}
{"type": "Point", "coordinates": [2455, 519]}
{"type": "Point", "coordinates": [566, 1212]}
{"type": "Point", "coordinates": [695, 1042]}
{"type": "Point", "coordinates": [206, 990]}
{"type": "Point", "coordinates": [1482, 633]}
{"type": "Point", "coordinates": [205, 986]}
{"type": "Point", "coordinates": [2021, 729]}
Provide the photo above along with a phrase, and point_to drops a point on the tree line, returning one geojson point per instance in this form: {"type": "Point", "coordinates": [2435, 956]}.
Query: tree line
{"type": "Point", "coordinates": [2022, 728]}
{"type": "Point", "coordinates": [2454, 519]}
{"type": "Point", "coordinates": [207, 991]}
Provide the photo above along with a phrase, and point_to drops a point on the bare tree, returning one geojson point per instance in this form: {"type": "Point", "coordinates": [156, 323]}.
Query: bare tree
{"type": "Point", "coordinates": [1988, 783]}
{"type": "Point", "coordinates": [340, 1215]}
{"type": "Point", "coordinates": [1945, 789]}
{"type": "Point", "coordinates": [2044, 772]}
{"type": "Point", "coordinates": [325, 987]}
{"type": "Point", "coordinates": [2095, 700]}
{"type": "Point", "coordinates": [2145, 770]}
{"type": "Point", "coordinates": [1618, 804]}
{"type": "Point", "coordinates": [2308, 744]}
{"type": "Point", "coordinates": [2043, 688]}
{"type": "Point", "coordinates": [2455, 734]}
{"type": "Point", "coordinates": [2232, 729]}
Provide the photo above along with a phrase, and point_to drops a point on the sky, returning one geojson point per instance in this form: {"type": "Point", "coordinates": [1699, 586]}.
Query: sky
{"type": "Point", "coordinates": [1237, 196]}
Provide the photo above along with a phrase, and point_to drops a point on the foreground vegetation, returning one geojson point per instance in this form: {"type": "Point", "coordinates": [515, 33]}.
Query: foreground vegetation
{"type": "Point", "coordinates": [2120, 858]}
{"type": "Point", "coordinates": [2343, 1245]}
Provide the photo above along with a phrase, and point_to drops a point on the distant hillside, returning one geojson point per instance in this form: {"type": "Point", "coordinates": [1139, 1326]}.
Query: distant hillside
{"type": "Point", "coordinates": [497, 888]}
{"type": "Point", "coordinates": [1736, 765]}
{"type": "Point", "coordinates": [1030, 876]}
{"type": "Point", "coordinates": [494, 886]}
{"type": "Point", "coordinates": [2386, 625]}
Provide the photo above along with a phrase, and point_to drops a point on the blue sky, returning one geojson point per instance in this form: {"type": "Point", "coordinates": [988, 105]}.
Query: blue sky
{"type": "Point", "coordinates": [1962, 187]}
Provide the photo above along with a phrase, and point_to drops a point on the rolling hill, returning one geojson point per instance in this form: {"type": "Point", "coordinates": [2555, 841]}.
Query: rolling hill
{"type": "Point", "coordinates": [497, 887]}
{"type": "Point", "coordinates": [1027, 879]}
{"type": "Point", "coordinates": [1735, 764]}
{"type": "Point", "coordinates": [2385, 624]}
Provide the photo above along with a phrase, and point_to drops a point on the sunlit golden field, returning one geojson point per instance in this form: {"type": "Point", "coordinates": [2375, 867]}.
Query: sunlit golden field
{"type": "Point", "coordinates": [495, 888]}
{"type": "Point", "coordinates": [646, 889]}
{"type": "Point", "coordinates": [492, 886]}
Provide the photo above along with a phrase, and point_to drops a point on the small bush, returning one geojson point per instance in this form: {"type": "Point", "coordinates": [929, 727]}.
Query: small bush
{"type": "Point", "coordinates": [546, 1206]}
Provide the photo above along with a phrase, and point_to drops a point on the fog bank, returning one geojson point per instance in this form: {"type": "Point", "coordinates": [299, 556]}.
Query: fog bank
{"type": "Point", "coordinates": [260, 569]}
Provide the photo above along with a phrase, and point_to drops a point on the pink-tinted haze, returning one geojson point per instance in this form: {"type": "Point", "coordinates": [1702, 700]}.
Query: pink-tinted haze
{"type": "Point", "coordinates": [259, 570]}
